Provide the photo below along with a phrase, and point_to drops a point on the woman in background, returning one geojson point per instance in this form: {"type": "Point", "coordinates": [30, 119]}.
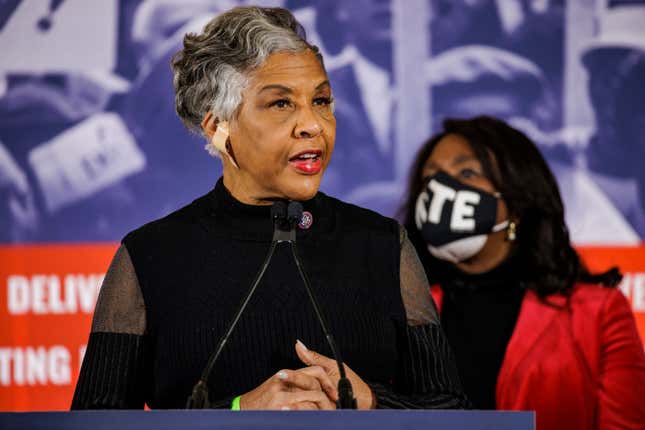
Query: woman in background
{"type": "Point", "coordinates": [531, 328]}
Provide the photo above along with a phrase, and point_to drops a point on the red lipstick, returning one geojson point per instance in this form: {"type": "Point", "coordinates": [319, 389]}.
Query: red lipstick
{"type": "Point", "coordinates": [307, 162]}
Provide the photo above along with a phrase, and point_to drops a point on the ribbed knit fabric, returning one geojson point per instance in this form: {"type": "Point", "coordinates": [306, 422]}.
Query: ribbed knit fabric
{"type": "Point", "coordinates": [193, 268]}
{"type": "Point", "coordinates": [119, 379]}
{"type": "Point", "coordinates": [428, 375]}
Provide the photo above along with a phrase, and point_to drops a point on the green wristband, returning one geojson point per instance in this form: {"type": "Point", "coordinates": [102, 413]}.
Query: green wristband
{"type": "Point", "coordinates": [235, 404]}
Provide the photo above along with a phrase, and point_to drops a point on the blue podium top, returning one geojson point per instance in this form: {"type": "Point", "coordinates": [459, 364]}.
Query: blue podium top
{"type": "Point", "coordinates": [214, 419]}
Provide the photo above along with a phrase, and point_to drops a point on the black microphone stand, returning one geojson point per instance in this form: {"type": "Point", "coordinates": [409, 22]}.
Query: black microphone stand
{"type": "Point", "coordinates": [199, 396]}
{"type": "Point", "coordinates": [284, 223]}
{"type": "Point", "coordinates": [346, 398]}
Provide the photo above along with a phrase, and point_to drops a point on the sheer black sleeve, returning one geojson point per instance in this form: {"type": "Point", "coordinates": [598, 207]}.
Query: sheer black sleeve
{"type": "Point", "coordinates": [115, 370]}
{"type": "Point", "coordinates": [427, 377]}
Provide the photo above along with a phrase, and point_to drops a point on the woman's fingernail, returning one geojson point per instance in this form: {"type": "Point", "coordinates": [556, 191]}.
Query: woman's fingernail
{"type": "Point", "coordinates": [286, 408]}
{"type": "Point", "coordinates": [282, 375]}
{"type": "Point", "coordinates": [302, 344]}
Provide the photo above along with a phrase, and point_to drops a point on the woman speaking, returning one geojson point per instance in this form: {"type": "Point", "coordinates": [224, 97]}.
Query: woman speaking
{"type": "Point", "coordinates": [254, 87]}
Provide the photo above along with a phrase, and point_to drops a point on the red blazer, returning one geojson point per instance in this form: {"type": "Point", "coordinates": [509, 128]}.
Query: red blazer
{"type": "Point", "coordinates": [579, 363]}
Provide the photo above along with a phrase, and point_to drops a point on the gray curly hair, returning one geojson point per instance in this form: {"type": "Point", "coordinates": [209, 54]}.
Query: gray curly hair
{"type": "Point", "coordinates": [214, 67]}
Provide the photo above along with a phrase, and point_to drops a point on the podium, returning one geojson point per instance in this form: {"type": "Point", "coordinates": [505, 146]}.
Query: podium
{"type": "Point", "coordinates": [269, 420]}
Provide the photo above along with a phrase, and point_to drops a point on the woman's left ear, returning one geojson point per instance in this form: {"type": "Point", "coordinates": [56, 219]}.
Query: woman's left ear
{"type": "Point", "coordinates": [217, 133]}
{"type": "Point", "coordinates": [209, 124]}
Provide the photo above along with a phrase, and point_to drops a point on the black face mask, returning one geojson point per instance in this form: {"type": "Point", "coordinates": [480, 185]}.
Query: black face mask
{"type": "Point", "coordinates": [455, 219]}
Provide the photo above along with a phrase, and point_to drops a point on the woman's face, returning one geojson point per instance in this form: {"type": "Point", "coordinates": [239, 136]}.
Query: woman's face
{"type": "Point", "coordinates": [454, 156]}
{"type": "Point", "coordinates": [283, 134]}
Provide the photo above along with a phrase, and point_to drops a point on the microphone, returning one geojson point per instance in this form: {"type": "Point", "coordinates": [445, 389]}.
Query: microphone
{"type": "Point", "coordinates": [284, 219]}
{"type": "Point", "coordinates": [346, 398]}
{"type": "Point", "coordinates": [282, 229]}
{"type": "Point", "coordinates": [199, 396]}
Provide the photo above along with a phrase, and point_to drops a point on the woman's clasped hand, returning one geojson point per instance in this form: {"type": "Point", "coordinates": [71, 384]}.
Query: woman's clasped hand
{"type": "Point", "coordinates": [309, 388]}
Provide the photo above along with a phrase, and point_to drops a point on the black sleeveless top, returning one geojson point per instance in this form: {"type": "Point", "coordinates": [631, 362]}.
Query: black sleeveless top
{"type": "Point", "coordinates": [194, 275]}
{"type": "Point", "coordinates": [191, 270]}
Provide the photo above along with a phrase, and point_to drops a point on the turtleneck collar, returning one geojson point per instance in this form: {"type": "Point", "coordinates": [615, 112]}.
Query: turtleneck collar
{"type": "Point", "coordinates": [505, 275]}
{"type": "Point", "coordinates": [230, 217]}
{"type": "Point", "coordinates": [225, 201]}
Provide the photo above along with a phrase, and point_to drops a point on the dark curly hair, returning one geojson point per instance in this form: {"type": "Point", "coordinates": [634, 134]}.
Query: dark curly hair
{"type": "Point", "coordinates": [518, 171]}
